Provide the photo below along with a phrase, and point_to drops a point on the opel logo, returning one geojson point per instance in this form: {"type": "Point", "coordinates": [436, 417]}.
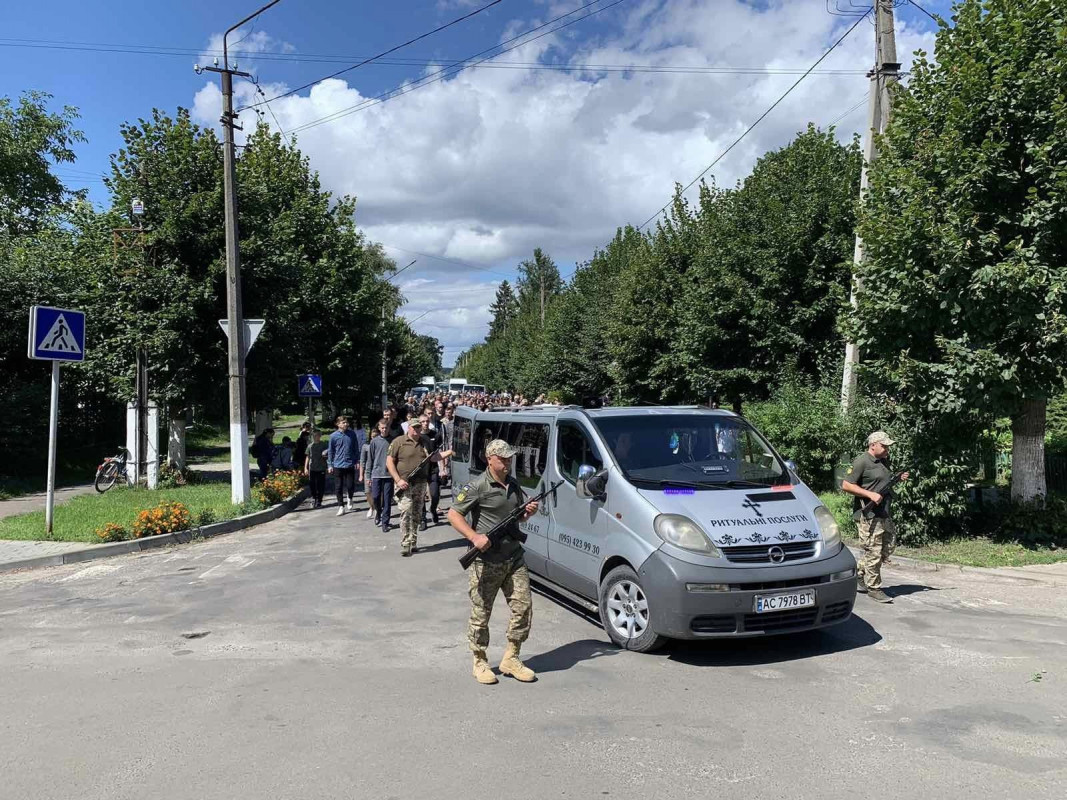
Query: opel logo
{"type": "Point", "coordinates": [776, 554]}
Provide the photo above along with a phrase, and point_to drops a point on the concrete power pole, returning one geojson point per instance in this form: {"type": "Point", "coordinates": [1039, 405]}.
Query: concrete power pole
{"type": "Point", "coordinates": [885, 73]}
{"type": "Point", "coordinates": [235, 359]}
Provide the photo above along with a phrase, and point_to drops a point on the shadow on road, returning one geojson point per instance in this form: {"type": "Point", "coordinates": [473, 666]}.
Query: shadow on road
{"type": "Point", "coordinates": [451, 544]}
{"type": "Point", "coordinates": [908, 588]}
{"type": "Point", "coordinates": [851, 635]}
{"type": "Point", "coordinates": [567, 655]}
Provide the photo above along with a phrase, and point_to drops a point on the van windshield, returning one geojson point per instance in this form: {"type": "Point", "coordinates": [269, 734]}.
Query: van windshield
{"type": "Point", "coordinates": [701, 449]}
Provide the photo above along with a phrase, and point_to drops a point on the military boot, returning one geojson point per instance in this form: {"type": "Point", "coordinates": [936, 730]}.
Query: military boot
{"type": "Point", "coordinates": [511, 665]}
{"type": "Point", "coordinates": [482, 671]}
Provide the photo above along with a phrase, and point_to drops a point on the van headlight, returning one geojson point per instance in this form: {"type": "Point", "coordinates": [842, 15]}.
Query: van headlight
{"type": "Point", "coordinates": [684, 533]}
{"type": "Point", "coordinates": [831, 534]}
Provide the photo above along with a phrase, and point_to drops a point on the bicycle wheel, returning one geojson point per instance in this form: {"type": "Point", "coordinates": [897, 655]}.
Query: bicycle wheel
{"type": "Point", "coordinates": [105, 476]}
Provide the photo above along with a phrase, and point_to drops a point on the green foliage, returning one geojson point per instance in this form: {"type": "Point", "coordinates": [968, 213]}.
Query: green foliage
{"type": "Point", "coordinates": [206, 516]}
{"type": "Point", "coordinates": [1056, 430]}
{"type": "Point", "coordinates": [964, 309]}
{"type": "Point", "coordinates": [170, 477]}
{"type": "Point", "coordinates": [804, 423]}
{"type": "Point", "coordinates": [1033, 525]}
{"type": "Point", "coordinates": [504, 308]}
{"type": "Point", "coordinates": [32, 139]}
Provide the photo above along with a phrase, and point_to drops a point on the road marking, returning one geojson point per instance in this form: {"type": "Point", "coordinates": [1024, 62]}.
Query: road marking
{"type": "Point", "coordinates": [90, 572]}
{"type": "Point", "coordinates": [230, 561]}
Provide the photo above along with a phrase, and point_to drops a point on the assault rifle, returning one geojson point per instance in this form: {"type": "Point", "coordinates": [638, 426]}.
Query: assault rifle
{"type": "Point", "coordinates": [399, 493]}
{"type": "Point", "coordinates": [870, 504]}
{"type": "Point", "coordinates": [502, 528]}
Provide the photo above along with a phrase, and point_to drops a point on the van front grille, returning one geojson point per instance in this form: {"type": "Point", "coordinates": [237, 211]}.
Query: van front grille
{"type": "Point", "coordinates": [836, 611]}
{"type": "Point", "coordinates": [781, 620]}
{"type": "Point", "coordinates": [723, 624]}
{"type": "Point", "coordinates": [789, 584]}
{"type": "Point", "coordinates": [760, 553]}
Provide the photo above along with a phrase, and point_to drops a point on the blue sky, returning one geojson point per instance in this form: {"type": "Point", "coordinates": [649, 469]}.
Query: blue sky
{"type": "Point", "coordinates": [481, 168]}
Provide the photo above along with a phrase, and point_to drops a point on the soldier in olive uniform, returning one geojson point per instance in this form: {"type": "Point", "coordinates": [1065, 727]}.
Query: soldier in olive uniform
{"type": "Point", "coordinates": [406, 453]}
{"type": "Point", "coordinates": [867, 481]}
{"type": "Point", "coordinates": [489, 498]}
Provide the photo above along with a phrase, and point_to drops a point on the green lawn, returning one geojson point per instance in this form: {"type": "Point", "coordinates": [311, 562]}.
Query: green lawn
{"type": "Point", "coordinates": [972, 552]}
{"type": "Point", "coordinates": [77, 519]}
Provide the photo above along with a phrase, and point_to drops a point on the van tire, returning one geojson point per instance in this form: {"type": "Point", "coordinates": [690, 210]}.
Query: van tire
{"type": "Point", "coordinates": [622, 582]}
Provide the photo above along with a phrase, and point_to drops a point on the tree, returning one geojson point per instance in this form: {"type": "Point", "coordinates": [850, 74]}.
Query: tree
{"type": "Point", "coordinates": [962, 315]}
{"type": "Point", "coordinates": [539, 283]}
{"type": "Point", "coordinates": [32, 139]}
{"type": "Point", "coordinates": [771, 272]}
{"type": "Point", "coordinates": [503, 308]}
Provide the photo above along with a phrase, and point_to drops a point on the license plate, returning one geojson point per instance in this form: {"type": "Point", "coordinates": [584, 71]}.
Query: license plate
{"type": "Point", "coordinates": [786, 601]}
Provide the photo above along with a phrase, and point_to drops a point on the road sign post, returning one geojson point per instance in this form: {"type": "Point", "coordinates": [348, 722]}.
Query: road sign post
{"type": "Point", "coordinates": [56, 335]}
{"type": "Point", "coordinates": [239, 482]}
{"type": "Point", "coordinates": [309, 386]}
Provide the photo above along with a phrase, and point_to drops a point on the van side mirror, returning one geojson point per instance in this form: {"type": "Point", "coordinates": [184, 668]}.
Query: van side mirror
{"type": "Point", "coordinates": [591, 485]}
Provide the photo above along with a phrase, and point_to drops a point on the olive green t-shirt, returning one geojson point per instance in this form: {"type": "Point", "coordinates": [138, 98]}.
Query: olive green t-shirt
{"type": "Point", "coordinates": [872, 474]}
{"type": "Point", "coordinates": [407, 455]}
{"type": "Point", "coordinates": [488, 502]}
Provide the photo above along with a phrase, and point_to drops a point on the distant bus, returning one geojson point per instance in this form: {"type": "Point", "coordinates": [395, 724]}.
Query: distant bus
{"type": "Point", "coordinates": [475, 388]}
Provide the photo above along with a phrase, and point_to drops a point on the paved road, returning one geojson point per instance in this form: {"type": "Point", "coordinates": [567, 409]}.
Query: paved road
{"type": "Point", "coordinates": [332, 668]}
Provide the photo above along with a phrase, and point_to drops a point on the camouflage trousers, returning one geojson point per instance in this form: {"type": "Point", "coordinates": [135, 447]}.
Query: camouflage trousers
{"type": "Point", "coordinates": [411, 513]}
{"type": "Point", "coordinates": [878, 537]}
{"type": "Point", "coordinates": [488, 578]}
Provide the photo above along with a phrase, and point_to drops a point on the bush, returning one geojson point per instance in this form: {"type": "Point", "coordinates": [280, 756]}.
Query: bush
{"type": "Point", "coordinates": [170, 477]}
{"type": "Point", "coordinates": [805, 424]}
{"type": "Point", "coordinates": [278, 486]}
{"type": "Point", "coordinates": [206, 516]}
{"type": "Point", "coordinates": [1031, 524]}
{"type": "Point", "coordinates": [112, 532]}
{"type": "Point", "coordinates": [167, 517]}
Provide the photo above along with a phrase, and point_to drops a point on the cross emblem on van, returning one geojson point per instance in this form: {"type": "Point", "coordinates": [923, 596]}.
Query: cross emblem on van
{"type": "Point", "coordinates": [752, 505]}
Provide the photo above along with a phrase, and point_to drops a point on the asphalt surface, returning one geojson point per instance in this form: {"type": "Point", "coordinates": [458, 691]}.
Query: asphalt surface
{"type": "Point", "coordinates": [306, 659]}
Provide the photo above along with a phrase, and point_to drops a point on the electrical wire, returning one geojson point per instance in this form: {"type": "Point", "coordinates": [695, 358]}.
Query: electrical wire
{"type": "Point", "coordinates": [442, 258]}
{"type": "Point", "coordinates": [934, 17]}
{"type": "Point", "coordinates": [441, 74]}
{"type": "Point", "coordinates": [840, 117]}
{"type": "Point", "coordinates": [759, 119]}
{"type": "Point", "coordinates": [382, 54]}
{"type": "Point", "coordinates": [670, 69]}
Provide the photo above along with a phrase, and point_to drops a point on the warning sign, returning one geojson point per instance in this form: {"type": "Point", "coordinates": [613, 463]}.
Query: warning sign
{"type": "Point", "coordinates": [56, 334]}
{"type": "Point", "coordinates": [309, 386]}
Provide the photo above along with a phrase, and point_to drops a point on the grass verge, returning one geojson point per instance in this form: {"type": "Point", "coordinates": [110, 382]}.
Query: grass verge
{"type": "Point", "coordinates": [970, 552]}
{"type": "Point", "coordinates": [77, 519]}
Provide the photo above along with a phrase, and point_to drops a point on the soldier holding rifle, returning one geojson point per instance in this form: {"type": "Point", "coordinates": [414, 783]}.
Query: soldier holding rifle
{"type": "Point", "coordinates": [408, 462]}
{"type": "Point", "coordinates": [489, 499]}
{"type": "Point", "coordinates": [869, 480]}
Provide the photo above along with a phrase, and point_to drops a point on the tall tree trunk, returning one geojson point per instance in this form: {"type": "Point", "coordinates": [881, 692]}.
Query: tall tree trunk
{"type": "Point", "coordinates": [1028, 452]}
{"type": "Point", "coordinates": [176, 437]}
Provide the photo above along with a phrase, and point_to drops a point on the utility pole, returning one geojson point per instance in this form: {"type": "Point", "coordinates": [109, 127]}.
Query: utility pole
{"type": "Point", "coordinates": [885, 73]}
{"type": "Point", "coordinates": [239, 480]}
{"type": "Point", "coordinates": [119, 240]}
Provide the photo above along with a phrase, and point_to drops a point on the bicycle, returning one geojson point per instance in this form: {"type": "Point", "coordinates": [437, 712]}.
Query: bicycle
{"type": "Point", "coordinates": [111, 470]}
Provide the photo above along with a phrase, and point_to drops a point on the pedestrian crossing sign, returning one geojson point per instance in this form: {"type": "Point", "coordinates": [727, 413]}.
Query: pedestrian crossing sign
{"type": "Point", "coordinates": [309, 386]}
{"type": "Point", "coordinates": [56, 334]}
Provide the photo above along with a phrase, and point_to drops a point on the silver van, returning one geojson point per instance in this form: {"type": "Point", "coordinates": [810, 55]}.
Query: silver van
{"type": "Point", "coordinates": [673, 522]}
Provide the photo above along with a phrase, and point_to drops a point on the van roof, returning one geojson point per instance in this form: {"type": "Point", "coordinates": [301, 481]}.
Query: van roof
{"type": "Point", "coordinates": [612, 411]}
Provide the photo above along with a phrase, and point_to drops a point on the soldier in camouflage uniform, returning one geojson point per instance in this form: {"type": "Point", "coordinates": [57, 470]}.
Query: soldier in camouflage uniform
{"type": "Point", "coordinates": [489, 498]}
{"type": "Point", "coordinates": [867, 481]}
{"type": "Point", "coordinates": [406, 453]}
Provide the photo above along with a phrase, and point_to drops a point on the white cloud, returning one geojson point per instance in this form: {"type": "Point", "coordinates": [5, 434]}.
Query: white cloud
{"type": "Point", "coordinates": [487, 165]}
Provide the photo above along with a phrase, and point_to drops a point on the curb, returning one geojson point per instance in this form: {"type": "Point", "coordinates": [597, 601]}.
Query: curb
{"type": "Point", "coordinates": [163, 539]}
{"type": "Point", "coordinates": [983, 572]}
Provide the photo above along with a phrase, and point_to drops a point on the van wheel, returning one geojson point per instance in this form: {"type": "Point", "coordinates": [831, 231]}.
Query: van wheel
{"type": "Point", "coordinates": [624, 612]}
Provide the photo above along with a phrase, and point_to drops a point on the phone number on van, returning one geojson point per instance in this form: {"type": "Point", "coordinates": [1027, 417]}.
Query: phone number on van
{"type": "Point", "coordinates": [579, 544]}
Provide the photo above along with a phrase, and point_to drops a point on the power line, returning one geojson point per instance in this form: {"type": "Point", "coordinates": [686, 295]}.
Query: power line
{"type": "Point", "coordinates": [449, 260]}
{"type": "Point", "coordinates": [667, 69]}
{"type": "Point", "coordinates": [385, 53]}
{"type": "Point", "coordinates": [274, 116]}
{"type": "Point", "coordinates": [759, 119]}
{"type": "Point", "coordinates": [441, 74]}
{"type": "Point", "coordinates": [935, 18]}
{"type": "Point", "coordinates": [840, 117]}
